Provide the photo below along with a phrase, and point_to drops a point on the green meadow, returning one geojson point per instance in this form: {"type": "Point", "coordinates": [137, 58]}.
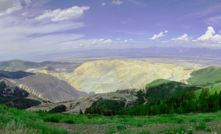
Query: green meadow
{"type": "Point", "coordinates": [23, 122]}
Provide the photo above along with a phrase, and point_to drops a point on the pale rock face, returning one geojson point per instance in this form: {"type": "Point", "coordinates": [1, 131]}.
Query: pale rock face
{"type": "Point", "coordinates": [48, 88]}
{"type": "Point", "coordinates": [109, 76]}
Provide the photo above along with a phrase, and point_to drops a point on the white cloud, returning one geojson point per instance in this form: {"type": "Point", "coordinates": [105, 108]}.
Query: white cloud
{"type": "Point", "coordinates": [66, 14]}
{"type": "Point", "coordinates": [182, 38]}
{"type": "Point", "coordinates": [116, 2]}
{"type": "Point", "coordinates": [103, 4]}
{"type": "Point", "coordinates": [209, 37]}
{"type": "Point", "coordinates": [9, 6]}
{"type": "Point", "coordinates": [102, 41]}
{"type": "Point", "coordinates": [161, 34]}
{"type": "Point", "coordinates": [109, 41]}
{"type": "Point", "coordinates": [125, 41]}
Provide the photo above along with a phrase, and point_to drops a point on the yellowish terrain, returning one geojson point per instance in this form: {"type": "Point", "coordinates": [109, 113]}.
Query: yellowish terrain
{"type": "Point", "coordinates": [108, 76]}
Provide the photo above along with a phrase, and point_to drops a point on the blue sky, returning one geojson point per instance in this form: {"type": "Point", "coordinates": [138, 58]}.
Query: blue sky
{"type": "Point", "coordinates": [38, 27]}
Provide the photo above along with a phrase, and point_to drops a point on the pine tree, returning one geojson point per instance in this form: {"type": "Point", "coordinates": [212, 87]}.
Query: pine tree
{"type": "Point", "coordinates": [191, 95]}
{"type": "Point", "coordinates": [81, 112]}
{"type": "Point", "coordinates": [140, 97]}
{"type": "Point", "coordinates": [172, 110]}
{"type": "Point", "coordinates": [220, 93]}
{"type": "Point", "coordinates": [204, 93]}
{"type": "Point", "coordinates": [113, 112]}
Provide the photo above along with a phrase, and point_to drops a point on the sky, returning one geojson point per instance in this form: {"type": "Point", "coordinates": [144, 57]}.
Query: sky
{"type": "Point", "coordinates": [37, 27]}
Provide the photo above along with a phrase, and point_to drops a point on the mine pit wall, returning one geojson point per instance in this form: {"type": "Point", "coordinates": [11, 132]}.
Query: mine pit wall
{"type": "Point", "coordinates": [29, 90]}
{"type": "Point", "coordinates": [32, 91]}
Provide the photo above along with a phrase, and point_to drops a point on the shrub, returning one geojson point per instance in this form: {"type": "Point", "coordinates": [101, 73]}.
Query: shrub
{"type": "Point", "coordinates": [58, 109]}
{"type": "Point", "coordinates": [121, 127]}
{"type": "Point", "coordinates": [51, 119]}
{"type": "Point", "coordinates": [180, 121]}
{"type": "Point", "coordinates": [69, 121]}
{"type": "Point", "coordinates": [139, 124]}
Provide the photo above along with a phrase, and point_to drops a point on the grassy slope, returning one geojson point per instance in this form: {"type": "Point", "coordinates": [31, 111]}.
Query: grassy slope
{"type": "Point", "coordinates": [162, 89]}
{"type": "Point", "coordinates": [205, 76]}
{"type": "Point", "coordinates": [15, 120]}
{"type": "Point", "coordinates": [213, 88]}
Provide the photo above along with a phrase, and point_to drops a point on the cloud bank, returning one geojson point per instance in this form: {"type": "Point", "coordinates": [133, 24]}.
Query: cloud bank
{"type": "Point", "coordinates": [62, 15]}
{"type": "Point", "coordinates": [210, 36]}
{"type": "Point", "coordinates": [182, 38]}
{"type": "Point", "coordinates": [161, 34]}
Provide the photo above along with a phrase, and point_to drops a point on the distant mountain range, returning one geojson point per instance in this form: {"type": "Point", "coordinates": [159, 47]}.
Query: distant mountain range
{"type": "Point", "coordinates": [14, 75]}
{"type": "Point", "coordinates": [178, 52]}
{"type": "Point", "coordinates": [20, 65]}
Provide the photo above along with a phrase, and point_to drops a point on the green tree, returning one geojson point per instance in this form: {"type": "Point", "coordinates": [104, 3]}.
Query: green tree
{"type": "Point", "coordinates": [191, 95]}
{"type": "Point", "coordinates": [81, 112]}
{"type": "Point", "coordinates": [204, 93]}
{"type": "Point", "coordinates": [172, 110]}
{"type": "Point", "coordinates": [140, 97]}
{"type": "Point", "coordinates": [180, 110]}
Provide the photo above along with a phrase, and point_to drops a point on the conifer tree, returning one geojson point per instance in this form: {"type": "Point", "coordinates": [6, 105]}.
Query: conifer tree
{"type": "Point", "coordinates": [191, 95]}
{"type": "Point", "coordinates": [204, 93]}
{"type": "Point", "coordinates": [81, 112]}
{"type": "Point", "coordinates": [140, 97]}
{"type": "Point", "coordinates": [172, 110]}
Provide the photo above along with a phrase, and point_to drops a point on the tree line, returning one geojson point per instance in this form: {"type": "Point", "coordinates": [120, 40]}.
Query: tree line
{"type": "Point", "coordinates": [180, 104]}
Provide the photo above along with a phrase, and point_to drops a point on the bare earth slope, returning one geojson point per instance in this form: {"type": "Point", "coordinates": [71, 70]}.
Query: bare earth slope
{"type": "Point", "coordinates": [48, 87]}
{"type": "Point", "coordinates": [82, 103]}
{"type": "Point", "coordinates": [108, 76]}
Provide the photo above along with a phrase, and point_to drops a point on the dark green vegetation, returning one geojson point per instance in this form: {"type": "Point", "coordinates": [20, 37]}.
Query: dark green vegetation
{"type": "Point", "coordinates": [159, 92]}
{"type": "Point", "coordinates": [58, 109]}
{"type": "Point", "coordinates": [106, 107]}
{"type": "Point", "coordinates": [162, 89]}
{"type": "Point", "coordinates": [15, 97]}
{"type": "Point", "coordinates": [22, 103]}
{"type": "Point", "coordinates": [205, 76]}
